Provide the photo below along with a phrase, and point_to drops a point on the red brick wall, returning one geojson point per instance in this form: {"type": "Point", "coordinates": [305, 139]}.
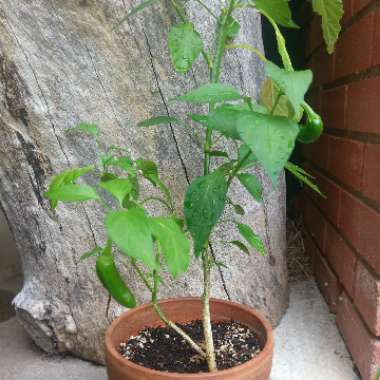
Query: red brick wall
{"type": "Point", "coordinates": [343, 230]}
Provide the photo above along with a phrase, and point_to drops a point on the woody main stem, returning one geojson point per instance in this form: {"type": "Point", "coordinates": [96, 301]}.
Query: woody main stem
{"type": "Point", "coordinates": [221, 39]}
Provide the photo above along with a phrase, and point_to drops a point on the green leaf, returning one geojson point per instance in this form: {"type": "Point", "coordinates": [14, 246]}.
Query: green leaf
{"type": "Point", "coordinates": [200, 119]}
{"type": "Point", "coordinates": [258, 108]}
{"type": "Point", "coordinates": [91, 253]}
{"type": "Point", "coordinates": [294, 84]}
{"type": "Point", "coordinates": [87, 128]}
{"type": "Point", "coordinates": [174, 243]}
{"type": "Point", "coordinates": [130, 231]}
{"type": "Point", "coordinates": [72, 193]}
{"type": "Point", "coordinates": [185, 46]}
{"type": "Point", "coordinates": [105, 177]}
{"type": "Point", "coordinates": [270, 96]}
{"type": "Point", "coordinates": [204, 204]}
{"type": "Point", "coordinates": [252, 184]}
{"type": "Point", "coordinates": [105, 159]}
{"type": "Point", "coordinates": [232, 27]}
{"type": "Point", "coordinates": [123, 162]}
{"type": "Point", "coordinates": [224, 119]}
{"type": "Point", "coordinates": [134, 11]}
{"type": "Point", "coordinates": [147, 167]}
{"type": "Point", "coordinates": [278, 10]}
{"type": "Point", "coordinates": [303, 177]}
{"type": "Point", "coordinates": [242, 153]}
{"type": "Point", "coordinates": [271, 138]}
{"type": "Point", "coordinates": [253, 239]}
{"type": "Point", "coordinates": [65, 178]}
{"type": "Point", "coordinates": [157, 121]}
{"type": "Point", "coordinates": [241, 246]}
{"type": "Point", "coordinates": [129, 203]}
{"type": "Point", "coordinates": [331, 12]}
{"type": "Point", "coordinates": [218, 153]}
{"type": "Point", "coordinates": [210, 93]}
{"type": "Point", "coordinates": [119, 188]}
{"type": "Point", "coordinates": [226, 168]}
{"type": "Point", "coordinates": [149, 170]}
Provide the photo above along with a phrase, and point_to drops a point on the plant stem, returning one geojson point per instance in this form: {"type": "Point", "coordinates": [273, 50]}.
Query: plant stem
{"type": "Point", "coordinates": [237, 168]}
{"type": "Point", "coordinates": [249, 48]}
{"type": "Point", "coordinates": [201, 3]}
{"type": "Point", "coordinates": [277, 101]}
{"type": "Point", "coordinates": [179, 10]}
{"type": "Point", "coordinates": [287, 62]}
{"type": "Point", "coordinates": [142, 275]}
{"type": "Point", "coordinates": [168, 322]}
{"type": "Point", "coordinates": [154, 290]}
{"type": "Point", "coordinates": [215, 75]}
{"type": "Point", "coordinates": [207, 327]}
{"type": "Point", "coordinates": [221, 39]}
{"type": "Point", "coordinates": [166, 204]}
{"type": "Point", "coordinates": [178, 330]}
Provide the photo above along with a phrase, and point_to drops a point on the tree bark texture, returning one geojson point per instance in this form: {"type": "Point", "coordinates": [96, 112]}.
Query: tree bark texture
{"type": "Point", "coordinates": [60, 63]}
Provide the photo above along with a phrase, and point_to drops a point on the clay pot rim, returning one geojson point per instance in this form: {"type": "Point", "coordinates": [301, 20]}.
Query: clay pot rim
{"type": "Point", "coordinates": [257, 361]}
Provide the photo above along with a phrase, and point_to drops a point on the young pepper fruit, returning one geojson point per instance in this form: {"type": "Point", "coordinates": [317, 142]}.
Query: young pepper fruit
{"type": "Point", "coordinates": [313, 129]}
{"type": "Point", "coordinates": [111, 279]}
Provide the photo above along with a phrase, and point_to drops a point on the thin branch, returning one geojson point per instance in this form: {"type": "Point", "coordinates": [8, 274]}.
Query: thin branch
{"type": "Point", "coordinates": [201, 3]}
{"type": "Point", "coordinates": [166, 204]}
{"type": "Point", "coordinates": [178, 330]}
{"type": "Point", "coordinates": [154, 290]}
{"type": "Point", "coordinates": [238, 167]}
{"type": "Point", "coordinates": [276, 103]}
{"type": "Point", "coordinates": [142, 275]}
{"type": "Point", "coordinates": [249, 48]}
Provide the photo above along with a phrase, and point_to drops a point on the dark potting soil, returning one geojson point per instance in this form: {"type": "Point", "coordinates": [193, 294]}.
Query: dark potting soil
{"type": "Point", "coordinates": [162, 349]}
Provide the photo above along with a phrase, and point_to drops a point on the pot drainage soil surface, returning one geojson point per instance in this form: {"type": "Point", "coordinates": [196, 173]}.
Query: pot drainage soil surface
{"type": "Point", "coordinates": [162, 349]}
{"type": "Point", "coordinates": [6, 309]}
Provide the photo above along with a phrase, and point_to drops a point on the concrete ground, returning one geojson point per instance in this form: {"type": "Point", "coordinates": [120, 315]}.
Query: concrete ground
{"type": "Point", "coordinates": [308, 347]}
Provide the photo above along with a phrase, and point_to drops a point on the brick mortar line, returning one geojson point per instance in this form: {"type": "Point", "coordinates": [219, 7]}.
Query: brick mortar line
{"type": "Point", "coordinates": [364, 137]}
{"type": "Point", "coordinates": [322, 253]}
{"type": "Point", "coordinates": [361, 318]}
{"type": "Point", "coordinates": [371, 203]}
{"type": "Point", "coordinates": [362, 167]}
{"type": "Point", "coordinates": [355, 307]}
{"type": "Point", "coordinates": [371, 72]}
{"type": "Point", "coordinates": [357, 254]}
{"type": "Point", "coordinates": [372, 7]}
{"type": "Point", "coordinates": [330, 267]}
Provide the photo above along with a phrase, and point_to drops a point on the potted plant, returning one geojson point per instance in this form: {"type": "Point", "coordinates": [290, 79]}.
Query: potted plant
{"type": "Point", "coordinates": [230, 336]}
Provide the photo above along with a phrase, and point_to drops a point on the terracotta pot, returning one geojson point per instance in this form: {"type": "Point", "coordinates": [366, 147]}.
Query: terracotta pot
{"type": "Point", "coordinates": [184, 310]}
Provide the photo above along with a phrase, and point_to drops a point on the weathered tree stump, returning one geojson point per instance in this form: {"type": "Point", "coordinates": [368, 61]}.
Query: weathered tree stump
{"type": "Point", "coordinates": [60, 63]}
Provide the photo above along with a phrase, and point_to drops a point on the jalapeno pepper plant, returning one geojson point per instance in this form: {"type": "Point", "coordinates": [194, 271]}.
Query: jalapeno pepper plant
{"type": "Point", "coordinates": [150, 242]}
{"type": "Point", "coordinates": [264, 132]}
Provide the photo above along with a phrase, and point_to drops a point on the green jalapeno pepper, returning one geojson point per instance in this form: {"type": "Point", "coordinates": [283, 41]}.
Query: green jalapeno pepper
{"type": "Point", "coordinates": [111, 279]}
{"type": "Point", "coordinates": [313, 129]}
